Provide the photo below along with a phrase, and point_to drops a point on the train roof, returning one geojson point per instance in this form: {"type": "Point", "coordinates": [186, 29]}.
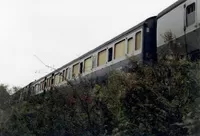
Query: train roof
{"type": "Point", "coordinates": [165, 11]}
{"type": "Point", "coordinates": [95, 49]}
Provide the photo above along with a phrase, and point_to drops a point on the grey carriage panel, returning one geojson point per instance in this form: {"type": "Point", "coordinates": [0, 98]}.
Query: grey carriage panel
{"type": "Point", "coordinates": [176, 4]}
{"type": "Point", "coordinates": [99, 47]}
{"type": "Point", "coordinates": [192, 39]}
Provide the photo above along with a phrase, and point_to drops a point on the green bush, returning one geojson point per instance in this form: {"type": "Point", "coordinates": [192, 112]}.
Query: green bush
{"type": "Point", "coordinates": [144, 100]}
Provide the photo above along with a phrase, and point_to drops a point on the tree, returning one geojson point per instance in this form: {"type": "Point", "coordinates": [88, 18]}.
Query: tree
{"type": "Point", "coordinates": [4, 95]}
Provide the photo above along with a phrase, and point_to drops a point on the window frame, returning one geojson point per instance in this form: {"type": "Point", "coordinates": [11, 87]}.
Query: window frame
{"type": "Point", "coordinates": [133, 45]}
{"type": "Point", "coordinates": [47, 82]}
{"type": "Point", "coordinates": [81, 67]}
{"type": "Point", "coordinates": [66, 73]}
{"type": "Point", "coordinates": [73, 75]}
{"type": "Point", "coordinates": [52, 80]}
{"type": "Point", "coordinates": [56, 79]}
{"type": "Point", "coordinates": [63, 75]}
{"type": "Point", "coordinates": [125, 43]}
{"type": "Point", "coordinates": [108, 57]}
{"type": "Point", "coordinates": [59, 77]}
{"type": "Point", "coordinates": [105, 49]}
{"type": "Point", "coordinates": [136, 40]}
{"type": "Point", "coordinates": [84, 69]}
{"type": "Point", "coordinates": [186, 13]}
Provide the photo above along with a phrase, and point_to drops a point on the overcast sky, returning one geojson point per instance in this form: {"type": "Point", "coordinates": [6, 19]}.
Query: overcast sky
{"type": "Point", "coordinates": [58, 31]}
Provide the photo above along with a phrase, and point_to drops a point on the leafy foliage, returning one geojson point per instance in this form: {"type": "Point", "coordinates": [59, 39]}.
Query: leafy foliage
{"type": "Point", "coordinates": [145, 100]}
{"type": "Point", "coordinates": [4, 95]}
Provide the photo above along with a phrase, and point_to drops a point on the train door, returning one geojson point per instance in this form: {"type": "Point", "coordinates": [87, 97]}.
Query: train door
{"type": "Point", "coordinates": [191, 32]}
{"type": "Point", "coordinates": [149, 40]}
{"type": "Point", "coordinates": [190, 15]}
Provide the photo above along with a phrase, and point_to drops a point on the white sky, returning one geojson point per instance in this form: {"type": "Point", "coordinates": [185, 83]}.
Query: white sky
{"type": "Point", "coordinates": [58, 31]}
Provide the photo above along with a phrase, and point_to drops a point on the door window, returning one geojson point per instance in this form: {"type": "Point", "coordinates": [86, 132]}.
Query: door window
{"type": "Point", "coordinates": [120, 49]}
{"type": "Point", "coordinates": [138, 40]}
{"type": "Point", "coordinates": [190, 14]}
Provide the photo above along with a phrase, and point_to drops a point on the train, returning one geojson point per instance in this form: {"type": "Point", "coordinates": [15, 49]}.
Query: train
{"type": "Point", "coordinates": [142, 41]}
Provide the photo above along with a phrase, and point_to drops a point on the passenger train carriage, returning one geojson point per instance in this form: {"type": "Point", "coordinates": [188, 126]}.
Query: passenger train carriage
{"type": "Point", "coordinates": [142, 41]}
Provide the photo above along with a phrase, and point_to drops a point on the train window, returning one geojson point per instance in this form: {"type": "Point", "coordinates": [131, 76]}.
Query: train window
{"type": "Point", "coordinates": [42, 86]}
{"type": "Point", "coordinates": [75, 70]}
{"type": "Point", "coordinates": [47, 82]}
{"type": "Point", "coordinates": [63, 75]}
{"type": "Point", "coordinates": [138, 40]}
{"type": "Point", "coordinates": [190, 14]}
{"type": "Point", "coordinates": [81, 68]}
{"type": "Point", "coordinates": [102, 58]}
{"type": "Point", "coordinates": [110, 54]}
{"type": "Point", "coordinates": [59, 77]}
{"type": "Point", "coordinates": [88, 64]}
{"type": "Point", "coordinates": [36, 88]}
{"type": "Point", "coordinates": [120, 49]}
{"type": "Point", "coordinates": [66, 74]}
{"type": "Point", "coordinates": [147, 30]}
{"type": "Point", "coordinates": [130, 46]}
{"type": "Point", "coordinates": [52, 80]}
{"type": "Point", "coordinates": [56, 80]}
{"type": "Point", "coordinates": [69, 73]}
{"type": "Point", "coordinates": [94, 61]}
